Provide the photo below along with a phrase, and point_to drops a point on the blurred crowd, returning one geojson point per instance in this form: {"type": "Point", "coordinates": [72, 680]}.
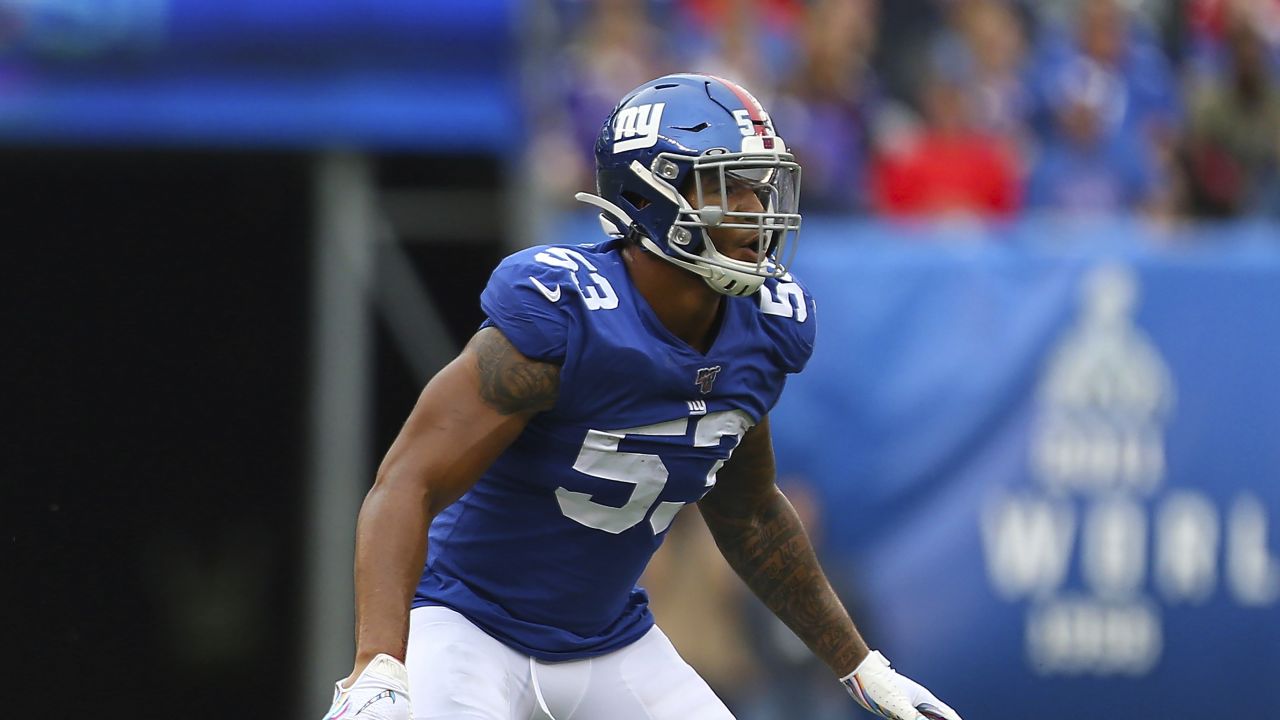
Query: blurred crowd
{"type": "Point", "coordinates": [974, 108]}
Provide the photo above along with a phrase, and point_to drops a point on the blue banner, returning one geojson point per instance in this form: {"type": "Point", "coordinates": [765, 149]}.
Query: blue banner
{"type": "Point", "coordinates": [1051, 468]}
{"type": "Point", "coordinates": [431, 75]}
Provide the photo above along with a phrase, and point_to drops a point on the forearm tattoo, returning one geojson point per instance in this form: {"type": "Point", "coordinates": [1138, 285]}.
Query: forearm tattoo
{"type": "Point", "coordinates": [764, 541]}
{"type": "Point", "coordinates": [510, 382]}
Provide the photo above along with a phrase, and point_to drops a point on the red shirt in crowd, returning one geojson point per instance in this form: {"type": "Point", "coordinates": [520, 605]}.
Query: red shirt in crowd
{"type": "Point", "coordinates": [944, 174]}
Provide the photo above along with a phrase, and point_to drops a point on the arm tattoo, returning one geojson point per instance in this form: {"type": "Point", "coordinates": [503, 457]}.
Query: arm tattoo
{"type": "Point", "coordinates": [759, 533]}
{"type": "Point", "coordinates": [510, 382]}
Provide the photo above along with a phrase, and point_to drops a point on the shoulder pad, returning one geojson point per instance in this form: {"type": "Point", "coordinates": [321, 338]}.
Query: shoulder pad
{"type": "Point", "coordinates": [788, 314]}
{"type": "Point", "coordinates": [581, 273]}
{"type": "Point", "coordinates": [526, 301]}
{"type": "Point", "coordinates": [535, 297]}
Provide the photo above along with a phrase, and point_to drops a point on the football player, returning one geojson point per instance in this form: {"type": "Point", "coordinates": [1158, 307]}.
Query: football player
{"type": "Point", "coordinates": [610, 386]}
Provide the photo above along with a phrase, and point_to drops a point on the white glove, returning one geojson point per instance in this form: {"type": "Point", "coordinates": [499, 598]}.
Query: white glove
{"type": "Point", "coordinates": [380, 692]}
{"type": "Point", "coordinates": [878, 688]}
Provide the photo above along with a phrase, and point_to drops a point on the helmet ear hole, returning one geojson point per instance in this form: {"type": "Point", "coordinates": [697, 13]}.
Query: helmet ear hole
{"type": "Point", "coordinates": [635, 200]}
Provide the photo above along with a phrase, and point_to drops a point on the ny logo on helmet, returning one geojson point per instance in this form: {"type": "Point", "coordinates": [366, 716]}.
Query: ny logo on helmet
{"type": "Point", "coordinates": [706, 377]}
{"type": "Point", "coordinates": [637, 127]}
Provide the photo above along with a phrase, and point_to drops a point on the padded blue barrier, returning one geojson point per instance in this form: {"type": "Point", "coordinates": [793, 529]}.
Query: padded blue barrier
{"type": "Point", "coordinates": [1048, 456]}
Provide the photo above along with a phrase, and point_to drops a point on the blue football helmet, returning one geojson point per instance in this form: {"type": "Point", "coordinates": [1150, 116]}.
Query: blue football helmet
{"type": "Point", "coordinates": [688, 136]}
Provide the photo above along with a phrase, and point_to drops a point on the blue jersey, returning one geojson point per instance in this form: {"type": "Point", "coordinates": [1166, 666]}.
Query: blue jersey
{"type": "Point", "coordinates": [544, 552]}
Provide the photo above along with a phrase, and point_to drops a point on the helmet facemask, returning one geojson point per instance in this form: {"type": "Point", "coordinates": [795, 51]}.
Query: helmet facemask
{"type": "Point", "coordinates": [711, 180]}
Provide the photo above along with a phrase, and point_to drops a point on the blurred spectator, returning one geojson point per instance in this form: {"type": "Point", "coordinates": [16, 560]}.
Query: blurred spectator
{"type": "Point", "coordinates": [1061, 12]}
{"type": "Point", "coordinates": [1106, 40]}
{"type": "Point", "coordinates": [1234, 144]}
{"type": "Point", "coordinates": [825, 110]}
{"type": "Point", "coordinates": [949, 168]}
{"type": "Point", "coordinates": [614, 48]}
{"type": "Point", "coordinates": [988, 45]}
{"type": "Point", "coordinates": [780, 14]}
{"type": "Point", "coordinates": [1208, 28]}
{"type": "Point", "coordinates": [1088, 165]}
{"type": "Point", "coordinates": [751, 42]}
{"type": "Point", "coordinates": [1109, 114]}
{"type": "Point", "coordinates": [901, 57]}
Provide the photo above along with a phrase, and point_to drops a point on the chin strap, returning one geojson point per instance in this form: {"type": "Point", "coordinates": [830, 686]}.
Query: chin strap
{"type": "Point", "coordinates": [700, 270]}
{"type": "Point", "coordinates": [714, 276]}
{"type": "Point", "coordinates": [624, 224]}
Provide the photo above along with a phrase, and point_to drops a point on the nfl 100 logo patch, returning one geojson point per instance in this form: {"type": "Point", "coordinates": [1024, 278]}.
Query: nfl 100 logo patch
{"type": "Point", "coordinates": [706, 378]}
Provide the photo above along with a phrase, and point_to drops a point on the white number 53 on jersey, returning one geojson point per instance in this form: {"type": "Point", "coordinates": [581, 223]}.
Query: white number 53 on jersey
{"type": "Point", "coordinates": [598, 294]}
{"type": "Point", "coordinates": [788, 303]}
{"type": "Point", "coordinates": [601, 458]}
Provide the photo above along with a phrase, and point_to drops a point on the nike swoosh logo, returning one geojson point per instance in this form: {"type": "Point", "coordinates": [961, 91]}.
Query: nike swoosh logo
{"type": "Point", "coordinates": [384, 695]}
{"type": "Point", "coordinates": [552, 294]}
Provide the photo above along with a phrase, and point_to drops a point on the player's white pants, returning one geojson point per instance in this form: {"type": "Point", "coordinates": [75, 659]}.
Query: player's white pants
{"type": "Point", "coordinates": [457, 671]}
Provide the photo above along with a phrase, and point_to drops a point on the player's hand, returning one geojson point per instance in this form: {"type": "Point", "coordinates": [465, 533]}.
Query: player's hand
{"type": "Point", "coordinates": [878, 688]}
{"type": "Point", "coordinates": [379, 692]}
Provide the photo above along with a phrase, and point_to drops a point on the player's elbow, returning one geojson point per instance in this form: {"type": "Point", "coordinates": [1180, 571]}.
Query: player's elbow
{"type": "Point", "coordinates": [395, 494]}
{"type": "Point", "coordinates": [400, 478]}
{"type": "Point", "coordinates": [415, 482]}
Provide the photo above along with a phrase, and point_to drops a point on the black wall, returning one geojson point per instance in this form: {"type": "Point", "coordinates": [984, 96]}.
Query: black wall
{"type": "Point", "coordinates": [155, 378]}
{"type": "Point", "coordinates": [156, 368]}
